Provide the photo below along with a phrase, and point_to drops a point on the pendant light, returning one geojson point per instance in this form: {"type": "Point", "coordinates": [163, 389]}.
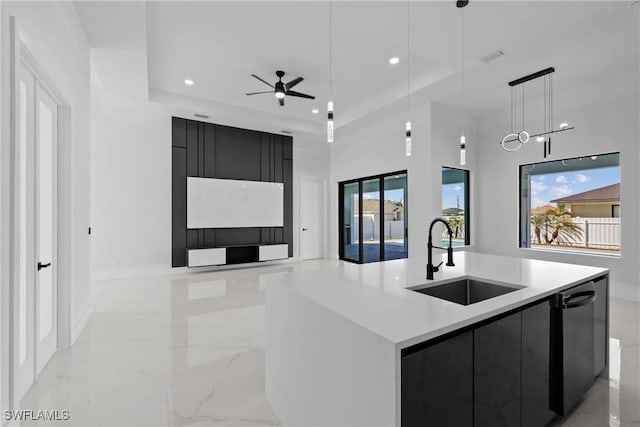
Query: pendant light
{"type": "Point", "coordinates": [513, 141]}
{"type": "Point", "coordinates": [330, 103]}
{"type": "Point", "coordinates": [407, 126]}
{"type": "Point", "coordinates": [463, 139]}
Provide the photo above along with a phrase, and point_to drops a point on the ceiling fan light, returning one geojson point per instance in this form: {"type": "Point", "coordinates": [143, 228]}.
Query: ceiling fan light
{"type": "Point", "coordinates": [279, 94]}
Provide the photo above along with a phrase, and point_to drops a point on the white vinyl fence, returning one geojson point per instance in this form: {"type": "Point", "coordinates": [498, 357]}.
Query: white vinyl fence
{"type": "Point", "coordinates": [371, 230]}
{"type": "Point", "coordinates": [597, 233]}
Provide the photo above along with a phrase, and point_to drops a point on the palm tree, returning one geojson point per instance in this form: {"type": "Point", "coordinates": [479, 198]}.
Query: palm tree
{"type": "Point", "coordinates": [556, 225]}
{"type": "Point", "coordinates": [456, 223]}
{"type": "Point", "coordinates": [538, 222]}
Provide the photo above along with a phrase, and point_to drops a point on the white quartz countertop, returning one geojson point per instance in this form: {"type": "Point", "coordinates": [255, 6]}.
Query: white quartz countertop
{"type": "Point", "coordinates": [375, 297]}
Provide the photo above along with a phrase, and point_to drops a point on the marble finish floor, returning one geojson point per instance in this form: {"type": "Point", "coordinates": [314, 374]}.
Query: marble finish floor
{"type": "Point", "coordinates": [189, 350]}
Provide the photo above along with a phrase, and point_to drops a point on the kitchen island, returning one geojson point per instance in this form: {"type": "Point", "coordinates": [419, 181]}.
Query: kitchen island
{"type": "Point", "coordinates": [358, 345]}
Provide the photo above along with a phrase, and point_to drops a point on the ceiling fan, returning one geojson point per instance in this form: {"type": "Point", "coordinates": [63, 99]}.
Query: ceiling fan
{"type": "Point", "coordinates": [280, 89]}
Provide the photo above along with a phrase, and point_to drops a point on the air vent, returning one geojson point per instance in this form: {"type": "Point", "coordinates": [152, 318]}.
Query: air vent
{"type": "Point", "coordinates": [492, 56]}
{"type": "Point", "coordinates": [201, 116]}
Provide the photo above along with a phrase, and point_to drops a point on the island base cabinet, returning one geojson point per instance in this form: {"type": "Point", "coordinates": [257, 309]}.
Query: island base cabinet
{"type": "Point", "coordinates": [437, 383]}
{"type": "Point", "coordinates": [536, 327]}
{"type": "Point", "coordinates": [496, 372]}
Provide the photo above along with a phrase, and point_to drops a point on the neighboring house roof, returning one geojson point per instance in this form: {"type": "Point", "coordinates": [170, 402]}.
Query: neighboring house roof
{"type": "Point", "coordinates": [610, 193]}
{"type": "Point", "coordinates": [452, 211]}
{"type": "Point", "coordinates": [541, 209]}
{"type": "Point", "coordinates": [373, 205]}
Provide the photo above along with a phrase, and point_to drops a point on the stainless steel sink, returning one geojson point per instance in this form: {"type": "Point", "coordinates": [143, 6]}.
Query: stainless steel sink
{"type": "Point", "coordinates": [466, 291]}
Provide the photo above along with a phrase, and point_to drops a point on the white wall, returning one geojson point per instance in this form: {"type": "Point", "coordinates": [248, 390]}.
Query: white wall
{"type": "Point", "coordinates": [4, 231]}
{"type": "Point", "coordinates": [52, 33]}
{"type": "Point", "coordinates": [131, 169]}
{"type": "Point", "coordinates": [131, 186]}
{"type": "Point", "coordinates": [606, 119]}
{"type": "Point", "coordinates": [380, 149]}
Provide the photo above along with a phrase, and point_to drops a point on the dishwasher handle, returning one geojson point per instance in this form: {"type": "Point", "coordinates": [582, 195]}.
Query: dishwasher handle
{"type": "Point", "coordinates": [578, 299]}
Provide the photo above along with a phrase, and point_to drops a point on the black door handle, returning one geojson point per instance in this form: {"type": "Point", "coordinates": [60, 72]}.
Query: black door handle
{"type": "Point", "coordinates": [579, 299]}
{"type": "Point", "coordinates": [304, 229]}
{"type": "Point", "coordinates": [41, 265]}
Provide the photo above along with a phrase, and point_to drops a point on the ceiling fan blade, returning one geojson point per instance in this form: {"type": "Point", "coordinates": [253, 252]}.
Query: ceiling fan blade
{"type": "Point", "coordinates": [257, 93]}
{"type": "Point", "coordinates": [299, 95]}
{"type": "Point", "coordinates": [263, 81]}
{"type": "Point", "coordinates": [281, 100]}
{"type": "Point", "coordinates": [293, 82]}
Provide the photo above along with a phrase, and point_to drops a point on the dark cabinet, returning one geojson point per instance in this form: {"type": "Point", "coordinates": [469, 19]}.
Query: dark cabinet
{"type": "Point", "coordinates": [536, 327]}
{"type": "Point", "coordinates": [496, 372]}
{"type": "Point", "coordinates": [600, 326]}
{"type": "Point", "coordinates": [437, 383]}
{"type": "Point", "coordinates": [510, 370]}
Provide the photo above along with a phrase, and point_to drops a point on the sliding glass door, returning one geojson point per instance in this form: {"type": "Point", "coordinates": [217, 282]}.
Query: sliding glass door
{"type": "Point", "coordinates": [373, 218]}
{"type": "Point", "coordinates": [350, 226]}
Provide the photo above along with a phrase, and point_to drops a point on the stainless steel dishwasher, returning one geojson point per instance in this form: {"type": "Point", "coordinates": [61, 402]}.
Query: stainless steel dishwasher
{"type": "Point", "coordinates": [572, 346]}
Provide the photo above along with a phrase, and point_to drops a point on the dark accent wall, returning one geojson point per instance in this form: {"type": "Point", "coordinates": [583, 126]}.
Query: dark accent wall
{"type": "Point", "coordinates": [208, 150]}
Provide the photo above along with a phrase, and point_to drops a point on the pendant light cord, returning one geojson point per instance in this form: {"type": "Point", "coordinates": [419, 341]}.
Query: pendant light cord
{"type": "Point", "coordinates": [522, 106]}
{"type": "Point", "coordinates": [462, 60]}
{"type": "Point", "coordinates": [408, 60]}
{"type": "Point", "coordinates": [511, 117]}
{"type": "Point", "coordinates": [551, 101]}
{"type": "Point", "coordinates": [330, 52]}
{"type": "Point", "coordinates": [545, 103]}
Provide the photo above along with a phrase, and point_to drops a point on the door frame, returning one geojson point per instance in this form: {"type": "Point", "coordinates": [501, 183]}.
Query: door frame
{"type": "Point", "coordinates": [323, 181]}
{"type": "Point", "coordinates": [360, 182]}
{"type": "Point", "coordinates": [15, 53]}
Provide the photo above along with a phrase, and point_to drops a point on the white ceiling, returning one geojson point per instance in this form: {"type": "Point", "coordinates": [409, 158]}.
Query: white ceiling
{"type": "Point", "coordinates": [220, 44]}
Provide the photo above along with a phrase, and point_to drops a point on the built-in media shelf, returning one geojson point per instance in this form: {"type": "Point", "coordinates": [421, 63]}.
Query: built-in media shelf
{"type": "Point", "coordinates": [240, 254]}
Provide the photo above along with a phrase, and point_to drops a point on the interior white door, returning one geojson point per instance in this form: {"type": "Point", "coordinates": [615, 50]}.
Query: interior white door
{"type": "Point", "coordinates": [46, 302]}
{"type": "Point", "coordinates": [24, 353]}
{"type": "Point", "coordinates": [312, 213]}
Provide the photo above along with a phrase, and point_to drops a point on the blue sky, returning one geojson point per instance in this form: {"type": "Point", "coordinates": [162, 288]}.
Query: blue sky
{"type": "Point", "coordinates": [449, 194]}
{"type": "Point", "coordinates": [545, 188]}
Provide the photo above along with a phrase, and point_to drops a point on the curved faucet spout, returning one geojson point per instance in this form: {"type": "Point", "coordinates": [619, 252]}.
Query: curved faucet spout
{"type": "Point", "coordinates": [430, 267]}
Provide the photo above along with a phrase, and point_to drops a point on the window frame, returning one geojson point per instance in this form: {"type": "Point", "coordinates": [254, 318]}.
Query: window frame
{"type": "Point", "coordinates": [524, 228]}
{"type": "Point", "coordinates": [467, 199]}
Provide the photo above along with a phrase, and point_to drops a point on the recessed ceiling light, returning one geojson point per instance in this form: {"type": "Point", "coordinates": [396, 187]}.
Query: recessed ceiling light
{"type": "Point", "coordinates": [564, 125]}
{"type": "Point", "coordinates": [314, 111]}
{"type": "Point", "coordinates": [394, 60]}
{"type": "Point", "coordinates": [540, 139]}
{"type": "Point", "coordinates": [188, 82]}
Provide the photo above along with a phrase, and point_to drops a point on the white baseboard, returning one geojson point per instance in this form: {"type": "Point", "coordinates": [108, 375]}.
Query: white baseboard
{"type": "Point", "coordinates": [131, 272]}
{"type": "Point", "coordinates": [162, 270]}
{"type": "Point", "coordinates": [79, 322]}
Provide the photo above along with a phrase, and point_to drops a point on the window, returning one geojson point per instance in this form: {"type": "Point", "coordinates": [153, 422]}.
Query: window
{"type": "Point", "coordinates": [572, 204]}
{"type": "Point", "coordinates": [455, 205]}
{"type": "Point", "coordinates": [373, 218]}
